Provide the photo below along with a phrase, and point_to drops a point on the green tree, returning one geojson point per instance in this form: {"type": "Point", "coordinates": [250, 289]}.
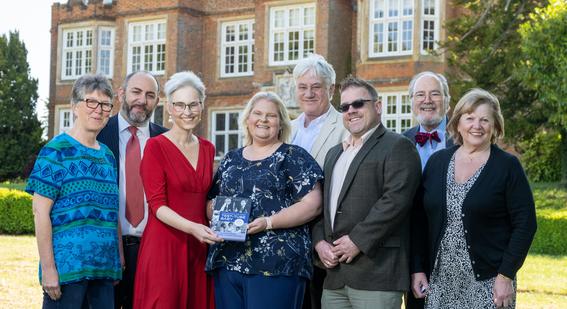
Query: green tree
{"type": "Point", "coordinates": [483, 51]}
{"type": "Point", "coordinates": [20, 130]}
{"type": "Point", "coordinates": [544, 65]}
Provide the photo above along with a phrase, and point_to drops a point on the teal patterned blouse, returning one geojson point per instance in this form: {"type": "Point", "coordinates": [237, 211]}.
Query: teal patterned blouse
{"type": "Point", "coordinates": [272, 184]}
{"type": "Point", "coordinates": [81, 181]}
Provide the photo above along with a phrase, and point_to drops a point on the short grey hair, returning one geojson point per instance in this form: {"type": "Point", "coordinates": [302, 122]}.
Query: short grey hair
{"type": "Point", "coordinates": [90, 83]}
{"type": "Point", "coordinates": [129, 76]}
{"type": "Point", "coordinates": [440, 79]}
{"type": "Point", "coordinates": [319, 66]}
{"type": "Point", "coordinates": [185, 79]}
{"type": "Point", "coordinates": [285, 123]}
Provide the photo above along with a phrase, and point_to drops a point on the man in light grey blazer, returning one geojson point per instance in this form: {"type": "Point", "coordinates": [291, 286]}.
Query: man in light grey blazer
{"type": "Point", "coordinates": [318, 128]}
{"type": "Point", "coordinates": [370, 182]}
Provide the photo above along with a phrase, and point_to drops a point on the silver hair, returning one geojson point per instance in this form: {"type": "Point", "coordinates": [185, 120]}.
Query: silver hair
{"type": "Point", "coordinates": [319, 65]}
{"type": "Point", "coordinates": [285, 123]}
{"type": "Point", "coordinates": [90, 83]}
{"type": "Point", "coordinates": [440, 79]}
{"type": "Point", "coordinates": [184, 79]}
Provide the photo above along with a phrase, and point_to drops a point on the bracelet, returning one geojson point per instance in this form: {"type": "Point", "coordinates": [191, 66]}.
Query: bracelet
{"type": "Point", "coordinates": [268, 223]}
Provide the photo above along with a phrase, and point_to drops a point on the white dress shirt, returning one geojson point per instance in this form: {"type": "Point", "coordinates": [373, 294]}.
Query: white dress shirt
{"type": "Point", "coordinates": [124, 135]}
{"type": "Point", "coordinates": [306, 136]}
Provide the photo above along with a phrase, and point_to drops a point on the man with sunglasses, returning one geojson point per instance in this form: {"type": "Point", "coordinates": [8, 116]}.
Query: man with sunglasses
{"type": "Point", "coordinates": [370, 182]}
{"type": "Point", "coordinates": [429, 93]}
{"type": "Point", "coordinates": [316, 129]}
{"type": "Point", "coordinates": [126, 135]}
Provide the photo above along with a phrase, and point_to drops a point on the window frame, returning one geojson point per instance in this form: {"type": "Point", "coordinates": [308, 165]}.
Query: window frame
{"type": "Point", "coordinates": [249, 43]}
{"type": "Point", "coordinates": [213, 132]}
{"type": "Point", "coordinates": [435, 18]}
{"type": "Point", "coordinates": [61, 117]}
{"type": "Point", "coordinates": [285, 29]}
{"type": "Point", "coordinates": [399, 116]}
{"type": "Point", "coordinates": [74, 49]}
{"type": "Point", "coordinates": [143, 42]}
{"type": "Point", "coordinates": [102, 48]}
{"type": "Point", "coordinates": [400, 20]}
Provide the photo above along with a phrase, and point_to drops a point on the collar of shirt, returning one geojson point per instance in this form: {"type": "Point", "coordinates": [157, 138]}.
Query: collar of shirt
{"type": "Point", "coordinates": [441, 130]}
{"type": "Point", "coordinates": [123, 126]}
{"type": "Point", "coordinates": [347, 142]}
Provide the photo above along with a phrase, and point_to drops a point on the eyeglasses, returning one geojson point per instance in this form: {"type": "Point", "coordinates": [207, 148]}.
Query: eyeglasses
{"type": "Point", "coordinates": [181, 106]}
{"type": "Point", "coordinates": [434, 95]}
{"type": "Point", "coordinates": [355, 104]}
{"type": "Point", "coordinates": [94, 104]}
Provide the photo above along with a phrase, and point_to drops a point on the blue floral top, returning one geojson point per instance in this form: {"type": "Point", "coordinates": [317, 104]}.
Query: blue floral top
{"type": "Point", "coordinates": [273, 183]}
{"type": "Point", "coordinates": [81, 181]}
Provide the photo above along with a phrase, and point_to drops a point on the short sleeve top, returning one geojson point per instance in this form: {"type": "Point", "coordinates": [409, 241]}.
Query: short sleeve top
{"type": "Point", "coordinates": [272, 184]}
{"type": "Point", "coordinates": [81, 181]}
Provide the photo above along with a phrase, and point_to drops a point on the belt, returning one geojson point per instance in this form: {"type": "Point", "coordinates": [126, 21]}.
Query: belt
{"type": "Point", "coordinates": [130, 240]}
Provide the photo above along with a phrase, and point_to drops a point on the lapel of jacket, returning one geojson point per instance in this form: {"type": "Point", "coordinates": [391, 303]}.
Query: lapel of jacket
{"type": "Point", "coordinates": [352, 170]}
{"type": "Point", "coordinates": [411, 133]}
{"type": "Point", "coordinates": [326, 131]}
{"type": "Point", "coordinates": [113, 139]}
{"type": "Point", "coordinates": [332, 157]}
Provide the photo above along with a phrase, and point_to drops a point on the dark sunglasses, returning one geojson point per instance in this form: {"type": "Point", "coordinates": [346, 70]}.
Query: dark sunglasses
{"type": "Point", "coordinates": [343, 108]}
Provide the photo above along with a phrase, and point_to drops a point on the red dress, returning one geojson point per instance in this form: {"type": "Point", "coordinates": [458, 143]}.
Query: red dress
{"type": "Point", "coordinates": [171, 263]}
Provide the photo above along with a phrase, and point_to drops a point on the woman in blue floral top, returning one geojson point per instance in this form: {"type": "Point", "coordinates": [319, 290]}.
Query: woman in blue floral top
{"type": "Point", "coordinates": [269, 269]}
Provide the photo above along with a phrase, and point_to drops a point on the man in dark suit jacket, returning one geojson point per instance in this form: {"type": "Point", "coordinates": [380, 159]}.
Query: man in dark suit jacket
{"type": "Point", "coordinates": [429, 93]}
{"type": "Point", "coordinates": [138, 96]}
{"type": "Point", "coordinates": [371, 179]}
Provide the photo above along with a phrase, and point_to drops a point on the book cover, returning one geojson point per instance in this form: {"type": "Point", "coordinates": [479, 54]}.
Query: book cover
{"type": "Point", "coordinates": [230, 217]}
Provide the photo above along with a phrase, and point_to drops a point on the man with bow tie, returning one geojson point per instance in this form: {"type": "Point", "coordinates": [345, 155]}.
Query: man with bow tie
{"type": "Point", "coordinates": [430, 98]}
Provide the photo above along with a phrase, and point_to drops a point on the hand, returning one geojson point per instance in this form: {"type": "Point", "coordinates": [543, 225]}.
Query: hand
{"type": "Point", "coordinates": [204, 234]}
{"type": "Point", "coordinates": [326, 255]}
{"type": "Point", "coordinates": [503, 291]}
{"type": "Point", "coordinates": [419, 285]}
{"type": "Point", "coordinates": [345, 249]}
{"type": "Point", "coordinates": [50, 283]}
{"type": "Point", "coordinates": [258, 225]}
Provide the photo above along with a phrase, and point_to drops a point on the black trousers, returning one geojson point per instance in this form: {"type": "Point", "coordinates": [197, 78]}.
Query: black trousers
{"type": "Point", "coordinates": [124, 290]}
{"type": "Point", "coordinates": [314, 290]}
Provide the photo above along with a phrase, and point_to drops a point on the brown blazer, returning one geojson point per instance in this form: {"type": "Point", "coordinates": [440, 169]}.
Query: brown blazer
{"type": "Point", "coordinates": [373, 209]}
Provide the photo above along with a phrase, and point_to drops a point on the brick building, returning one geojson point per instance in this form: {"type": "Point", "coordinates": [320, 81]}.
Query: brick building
{"type": "Point", "coordinates": [239, 47]}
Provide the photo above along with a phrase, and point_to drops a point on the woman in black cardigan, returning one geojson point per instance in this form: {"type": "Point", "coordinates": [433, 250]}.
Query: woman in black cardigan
{"type": "Point", "coordinates": [475, 217]}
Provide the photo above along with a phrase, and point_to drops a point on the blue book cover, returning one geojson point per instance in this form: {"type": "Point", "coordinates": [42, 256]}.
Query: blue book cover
{"type": "Point", "coordinates": [230, 217]}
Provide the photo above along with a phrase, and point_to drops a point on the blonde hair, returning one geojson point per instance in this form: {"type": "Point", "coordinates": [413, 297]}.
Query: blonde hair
{"type": "Point", "coordinates": [467, 104]}
{"type": "Point", "coordinates": [285, 124]}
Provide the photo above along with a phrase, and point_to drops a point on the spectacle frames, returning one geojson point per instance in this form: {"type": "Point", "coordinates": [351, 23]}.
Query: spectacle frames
{"type": "Point", "coordinates": [181, 106]}
{"type": "Point", "coordinates": [343, 108]}
{"type": "Point", "coordinates": [94, 104]}
{"type": "Point", "coordinates": [433, 95]}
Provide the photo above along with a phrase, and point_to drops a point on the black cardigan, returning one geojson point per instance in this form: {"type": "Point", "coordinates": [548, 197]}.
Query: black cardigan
{"type": "Point", "coordinates": [498, 215]}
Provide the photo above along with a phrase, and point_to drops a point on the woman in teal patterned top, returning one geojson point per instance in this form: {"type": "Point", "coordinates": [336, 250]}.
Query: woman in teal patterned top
{"type": "Point", "coordinates": [282, 181]}
{"type": "Point", "coordinates": [75, 204]}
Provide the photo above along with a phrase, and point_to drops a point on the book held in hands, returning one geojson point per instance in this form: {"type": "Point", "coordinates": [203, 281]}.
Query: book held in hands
{"type": "Point", "coordinates": [230, 217]}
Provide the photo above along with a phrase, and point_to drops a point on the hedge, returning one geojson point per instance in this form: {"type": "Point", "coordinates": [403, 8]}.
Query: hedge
{"type": "Point", "coordinates": [16, 216]}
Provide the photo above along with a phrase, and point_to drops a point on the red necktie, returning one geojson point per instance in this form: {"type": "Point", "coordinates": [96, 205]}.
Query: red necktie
{"type": "Point", "coordinates": [134, 188]}
{"type": "Point", "coordinates": [422, 137]}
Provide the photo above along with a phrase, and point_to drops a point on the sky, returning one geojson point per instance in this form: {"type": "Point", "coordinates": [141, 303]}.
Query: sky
{"type": "Point", "coordinates": [32, 18]}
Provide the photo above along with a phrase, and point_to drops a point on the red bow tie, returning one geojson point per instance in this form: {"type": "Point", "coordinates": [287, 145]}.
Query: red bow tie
{"type": "Point", "coordinates": [422, 137]}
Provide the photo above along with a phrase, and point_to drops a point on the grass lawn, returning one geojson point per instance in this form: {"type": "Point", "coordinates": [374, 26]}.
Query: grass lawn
{"type": "Point", "coordinates": [542, 282]}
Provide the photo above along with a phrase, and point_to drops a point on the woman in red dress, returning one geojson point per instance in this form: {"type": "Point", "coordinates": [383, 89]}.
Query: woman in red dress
{"type": "Point", "coordinates": [176, 171]}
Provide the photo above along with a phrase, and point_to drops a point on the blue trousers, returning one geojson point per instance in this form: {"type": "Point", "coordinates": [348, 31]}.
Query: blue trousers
{"type": "Point", "coordinates": [91, 294]}
{"type": "Point", "coordinates": [234, 290]}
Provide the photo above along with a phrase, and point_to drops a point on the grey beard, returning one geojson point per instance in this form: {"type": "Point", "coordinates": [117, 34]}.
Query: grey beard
{"type": "Point", "coordinates": [433, 122]}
